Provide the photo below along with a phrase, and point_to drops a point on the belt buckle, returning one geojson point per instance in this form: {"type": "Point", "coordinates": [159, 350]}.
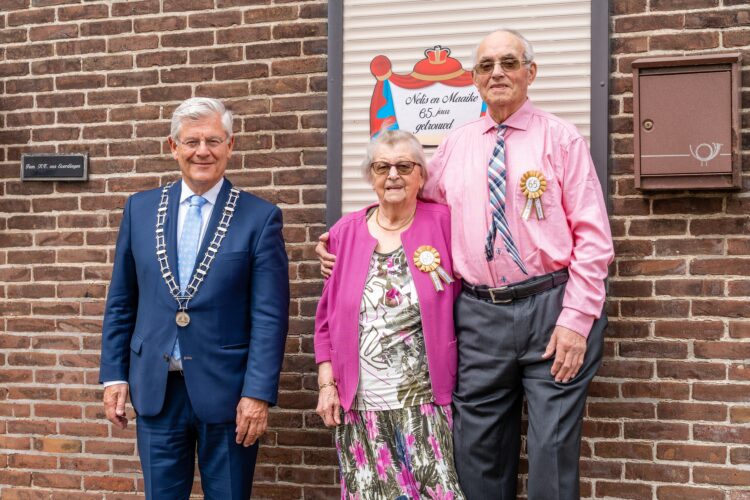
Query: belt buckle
{"type": "Point", "coordinates": [499, 301]}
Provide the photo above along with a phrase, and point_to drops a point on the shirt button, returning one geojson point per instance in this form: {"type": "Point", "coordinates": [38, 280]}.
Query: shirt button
{"type": "Point", "coordinates": [166, 358]}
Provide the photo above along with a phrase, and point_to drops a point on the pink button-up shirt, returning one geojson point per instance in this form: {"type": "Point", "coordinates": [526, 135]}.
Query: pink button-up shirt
{"type": "Point", "coordinates": [574, 232]}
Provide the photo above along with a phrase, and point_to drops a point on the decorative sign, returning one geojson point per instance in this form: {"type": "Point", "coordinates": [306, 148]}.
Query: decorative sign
{"type": "Point", "coordinates": [54, 167]}
{"type": "Point", "coordinates": [437, 96]}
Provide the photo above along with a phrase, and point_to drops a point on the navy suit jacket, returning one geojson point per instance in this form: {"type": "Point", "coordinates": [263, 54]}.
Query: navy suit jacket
{"type": "Point", "coordinates": [234, 344]}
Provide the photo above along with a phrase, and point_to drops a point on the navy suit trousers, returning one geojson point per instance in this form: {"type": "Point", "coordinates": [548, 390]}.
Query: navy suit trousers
{"type": "Point", "coordinates": [167, 445]}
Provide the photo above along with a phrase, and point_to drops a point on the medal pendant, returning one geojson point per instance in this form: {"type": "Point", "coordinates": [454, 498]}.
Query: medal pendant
{"type": "Point", "coordinates": [182, 318]}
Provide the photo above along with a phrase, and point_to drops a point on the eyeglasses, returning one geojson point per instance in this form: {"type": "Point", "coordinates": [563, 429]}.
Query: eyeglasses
{"type": "Point", "coordinates": [507, 64]}
{"type": "Point", "coordinates": [402, 167]}
{"type": "Point", "coordinates": [211, 142]}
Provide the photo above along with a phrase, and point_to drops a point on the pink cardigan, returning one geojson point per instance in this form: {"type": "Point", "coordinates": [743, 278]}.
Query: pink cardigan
{"type": "Point", "coordinates": [337, 318]}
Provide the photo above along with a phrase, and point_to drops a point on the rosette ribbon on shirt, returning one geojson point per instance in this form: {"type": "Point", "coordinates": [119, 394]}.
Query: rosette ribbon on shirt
{"type": "Point", "coordinates": [533, 185]}
{"type": "Point", "coordinates": [427, 260]}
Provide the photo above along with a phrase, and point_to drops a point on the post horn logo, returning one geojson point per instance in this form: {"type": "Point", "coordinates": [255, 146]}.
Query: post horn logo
{"type": "Point", "coordinates": [705, 152]}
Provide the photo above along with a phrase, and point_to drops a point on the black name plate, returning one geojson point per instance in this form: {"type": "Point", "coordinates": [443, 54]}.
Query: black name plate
{"type": "Point", "coordinates": [54, 167]}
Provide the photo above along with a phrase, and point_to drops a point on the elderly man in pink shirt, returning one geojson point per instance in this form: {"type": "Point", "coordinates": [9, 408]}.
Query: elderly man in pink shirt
{"type": "Point", "coordinates": [532, 244]}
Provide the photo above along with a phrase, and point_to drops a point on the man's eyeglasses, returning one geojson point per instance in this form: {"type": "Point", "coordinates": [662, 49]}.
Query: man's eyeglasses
{"type": "Point", "coordinates": [507, 64]}
{"type": "Point", "coordinates": [402, 167]}
{"type": "Point", "coordinates": [211, 142]}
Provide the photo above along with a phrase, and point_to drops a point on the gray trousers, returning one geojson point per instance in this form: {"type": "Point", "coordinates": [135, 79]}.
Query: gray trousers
{"type": "Point", "coordinates": [500, 351]}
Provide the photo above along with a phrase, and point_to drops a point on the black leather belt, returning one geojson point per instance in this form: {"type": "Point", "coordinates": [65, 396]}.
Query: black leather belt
{"type": "Point", "coordinates": [507, 294]}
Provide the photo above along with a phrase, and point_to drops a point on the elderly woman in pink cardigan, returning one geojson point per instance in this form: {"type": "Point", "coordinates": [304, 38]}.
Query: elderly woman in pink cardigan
{"type": "Point", "coordinates": [384, 339]}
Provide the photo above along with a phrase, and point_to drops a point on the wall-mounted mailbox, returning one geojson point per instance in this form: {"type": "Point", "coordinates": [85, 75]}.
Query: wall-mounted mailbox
{"type": "Point", "coordinates": [686, 122]}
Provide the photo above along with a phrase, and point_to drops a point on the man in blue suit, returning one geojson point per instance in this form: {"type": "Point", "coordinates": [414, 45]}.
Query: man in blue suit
{"type": "Point", "coordinates": [196, 317]}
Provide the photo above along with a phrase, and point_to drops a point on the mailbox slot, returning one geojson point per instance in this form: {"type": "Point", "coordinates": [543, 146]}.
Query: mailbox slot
{"type": "Point", "coordinates": [686, 128]}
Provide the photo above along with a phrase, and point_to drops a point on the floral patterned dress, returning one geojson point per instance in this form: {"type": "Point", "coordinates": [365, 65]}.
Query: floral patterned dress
{"type": "Point", "coordinates": [394, 442]}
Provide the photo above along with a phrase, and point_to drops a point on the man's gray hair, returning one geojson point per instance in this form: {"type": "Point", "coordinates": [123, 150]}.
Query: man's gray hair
{"type": "Point", "coordinates": [528, 50]}
{"type": "Point", "coordinates": [389, 139]}
{"type": "Point", "coordinates": [196, 108]}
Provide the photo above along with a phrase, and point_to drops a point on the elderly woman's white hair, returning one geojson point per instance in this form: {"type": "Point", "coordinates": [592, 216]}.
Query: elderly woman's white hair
{"type": "Point", "coordinates": [389, 139]}
{"type": "Point", "coordinates": [196, 108]}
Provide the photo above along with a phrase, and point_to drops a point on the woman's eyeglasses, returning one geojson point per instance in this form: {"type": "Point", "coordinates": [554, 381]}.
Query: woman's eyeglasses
{"type": "Point", "coordinates": [402, 167]}
{"type": "Point", "coordinates": [507, 64]}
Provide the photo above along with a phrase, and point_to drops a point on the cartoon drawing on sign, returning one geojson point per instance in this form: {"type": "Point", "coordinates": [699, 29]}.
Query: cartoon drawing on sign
{"type": "Point", "coordinates": [437, 96]}
{"type": "Point", "coordinates": [713, 152]}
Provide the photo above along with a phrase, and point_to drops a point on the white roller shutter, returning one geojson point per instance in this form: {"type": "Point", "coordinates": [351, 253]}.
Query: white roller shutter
{"type": "Point", "coordinates": [559, 30]}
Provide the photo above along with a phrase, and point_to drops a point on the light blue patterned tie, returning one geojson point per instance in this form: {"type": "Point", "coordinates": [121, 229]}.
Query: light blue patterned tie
{"type": "Point", "coordinates": [496, 175]}
{"type": "Point", "coordinates": [188, 249]}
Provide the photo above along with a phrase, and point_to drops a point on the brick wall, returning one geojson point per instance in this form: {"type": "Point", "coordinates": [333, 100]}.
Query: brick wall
{"type": "Point", "coordinates": [103, 77]}
{"type": "Point", "coordinates": [669, 415]}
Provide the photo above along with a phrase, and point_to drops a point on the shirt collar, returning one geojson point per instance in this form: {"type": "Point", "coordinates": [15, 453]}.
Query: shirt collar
{"type": "Point", "coordinates": [209, 195]}
{"type": "Point", "coordinates": [520, 119]}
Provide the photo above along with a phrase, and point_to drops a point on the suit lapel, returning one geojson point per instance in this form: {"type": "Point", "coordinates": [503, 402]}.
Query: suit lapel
{"type": "Point", "coordinates": [213, 222]}
{"type": "Point", "coordinates": [170, 227]}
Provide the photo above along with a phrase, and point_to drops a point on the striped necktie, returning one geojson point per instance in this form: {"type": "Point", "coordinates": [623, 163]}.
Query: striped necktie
{"type": "Point", "coordinates": [496, 175]}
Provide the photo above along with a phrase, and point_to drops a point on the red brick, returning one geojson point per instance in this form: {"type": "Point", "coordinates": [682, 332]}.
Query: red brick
{"type": "Point", "coordinates": [15, 478]}
{"type": "Point", "coordinates": [215, 19]}
{"type": "Point", "coordinates": [112, 97]}
{"type": "Point", "coordinates": [664, 227]}
{"type": "Point", "coordinates": [656, 430]}
{"type": "Point", "coordinates": [134, 8]}
{"type": "Point", "coordinates": [657, 472]}
{"type": "Point", "coordinates": [654, 390]}
{"type": "Point", "coordinates": [689, 287]}
{"type": "Point", "coordinates": [48, 480]}
{"type": "Point", "coordinates": [689, 329]}
{"type": "Point", "coordinates": [106, 28]}
{"type": "Point", "coordinates": [721, 266]}
{"type": "Point", "coordinates": [188, 39]}
{"type": "Point", "coordinates": [635, 491]}
{"type": "Point", "coordinates": [622, 449]}
{"type": "Point", "coordinates": [132, 43]}
{"type": "Point", "coordinates": [54, 32]}
{"type": "Point", "coordinates": [107, 63]}
{"type": "Point", "coordinates": [656, 308]}
{"type": "Point", "coordinates": [721, 434]}
{"type": "Point", "coordinates": [218, 55]}
{"type": "Point", "coordinates": [723, 476]}
{"type": "Point", "coordinates": [165, 23]}
{"type": "Point", "coordinates": [726, 308]}
{"type": "Point", "coordinates": [77, 47]}
{"type": "Point", "coordinates": [649, 22]}
{"type": "Point", "coordinates": [691, 411]}
{"type": "Point", "coordinates": [722, 350]}
{"type": "Point", "coordinates": [693, 370]}
{"type": "Point", "coordinates": [691, 453]}
{"type": "Point", "coordinates": [739, 330]}
{"type": "Point", "coordinates": [82, 12]}
{"type": "Point", "coordinates": [14, 69]}
{"type": "Point", "coordinates": [653, 349]}
{"type": "Point", "coordinates": [296, 66]}
{"type": "Point", "coordinates": [721, 392]}
{"type": "Point", "coordinates": [185, 5]}
{"type": "Point", "coordinates": [267, 14]}
{"type": "Point", "coordinates": [688, 493]}
{"type": "Point", "coordinates": [30, 51]}
{"type": "Point", "coordinates": [34, 16]}
{"type": "Point", "coordinates": [57, 445]}
{"type": "Point", "coordinates": [721, 226]}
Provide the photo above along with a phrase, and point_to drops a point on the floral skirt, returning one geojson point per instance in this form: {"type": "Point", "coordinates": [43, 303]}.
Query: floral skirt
{"type": "Point", "coordinates": [404, 454]}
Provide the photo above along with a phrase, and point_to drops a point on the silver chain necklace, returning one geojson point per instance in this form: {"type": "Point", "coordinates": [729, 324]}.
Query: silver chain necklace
{"type": "Point", "coordinates": [182, 318]}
